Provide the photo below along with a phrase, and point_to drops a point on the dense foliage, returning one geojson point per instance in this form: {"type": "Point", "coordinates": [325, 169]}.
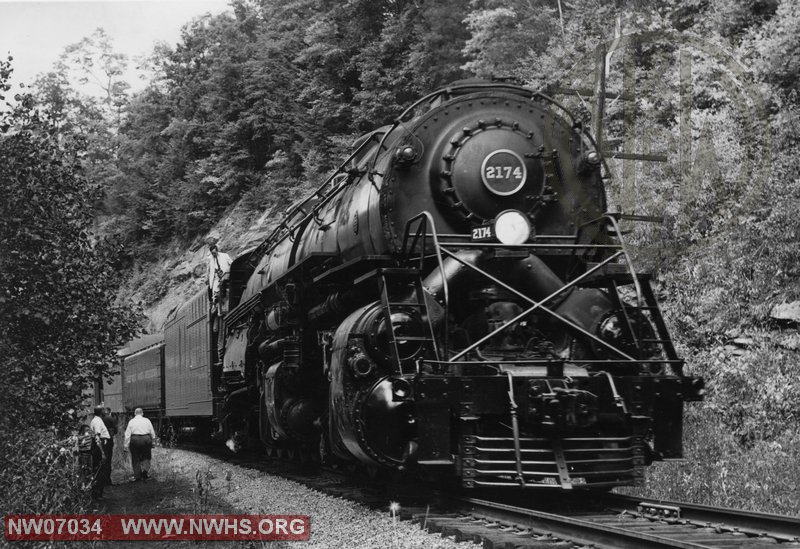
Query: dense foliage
{"type": "Point", "coordinates": [60, 326]}
{"type": "Point", "coordinates": [263, 100]}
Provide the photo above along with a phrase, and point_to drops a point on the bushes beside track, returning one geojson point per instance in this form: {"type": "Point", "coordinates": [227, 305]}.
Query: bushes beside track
{"type": "Point", "coordinates": [719, 470]}
{"type": "Point", "coordinates": [40, 473]}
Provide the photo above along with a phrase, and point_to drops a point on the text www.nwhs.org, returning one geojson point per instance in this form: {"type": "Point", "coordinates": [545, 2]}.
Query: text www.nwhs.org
{"type": "Point", "coordinates": [157, 527]}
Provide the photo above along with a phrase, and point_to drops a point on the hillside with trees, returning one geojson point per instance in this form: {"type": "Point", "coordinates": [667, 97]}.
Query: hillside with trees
{"type": "Point", "coordinates": [254, 107]}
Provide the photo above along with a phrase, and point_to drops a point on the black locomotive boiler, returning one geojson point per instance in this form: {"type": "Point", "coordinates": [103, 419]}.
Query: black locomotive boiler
{"type": "Point", "coordinates": [456, 301]}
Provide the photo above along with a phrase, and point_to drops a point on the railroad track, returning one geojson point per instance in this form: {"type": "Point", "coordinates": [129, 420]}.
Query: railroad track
{"type": "Point", "coordinates": [608, 521]}
{"type": "Point", "coordinates": [545, 519]}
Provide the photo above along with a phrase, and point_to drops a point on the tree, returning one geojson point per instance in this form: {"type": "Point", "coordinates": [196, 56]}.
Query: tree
{"type": "Point", "coordinates": [60, 326]}
{"type": "Point", "coordinates": [502, 30]}
{"type": "Point", "coordinates": [86, 94]}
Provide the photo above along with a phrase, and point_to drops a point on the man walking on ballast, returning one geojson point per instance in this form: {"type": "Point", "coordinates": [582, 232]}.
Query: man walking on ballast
{"type": "Point", "coordinates": [139, 437]}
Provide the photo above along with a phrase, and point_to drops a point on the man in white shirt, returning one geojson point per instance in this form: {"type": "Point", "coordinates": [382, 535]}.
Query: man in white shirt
{"type": "Point", "coordinates": [139, 437]}
{"type": "Point", "coordinates": [219, 268]}
{"type": "Point", "coordinates": [101, 453]}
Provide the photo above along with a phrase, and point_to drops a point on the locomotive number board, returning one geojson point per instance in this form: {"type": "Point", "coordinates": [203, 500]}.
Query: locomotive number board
{"type": "Point", "coordinates": [482, 233]}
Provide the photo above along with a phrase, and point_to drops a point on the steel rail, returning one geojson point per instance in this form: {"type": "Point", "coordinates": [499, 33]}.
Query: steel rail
{"type": "Point", "coordinates": [781, 527]}
{"type": "Point", "coordinates": [602, 536]}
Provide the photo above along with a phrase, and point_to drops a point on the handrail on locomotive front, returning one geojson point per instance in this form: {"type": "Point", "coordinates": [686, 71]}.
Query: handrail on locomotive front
{"type": "Point", "coordinates": [540, 305]}
{"type": "Point", "coordinates": [612, 218]}
{"type": "Point", "coordinates": [425, 219]}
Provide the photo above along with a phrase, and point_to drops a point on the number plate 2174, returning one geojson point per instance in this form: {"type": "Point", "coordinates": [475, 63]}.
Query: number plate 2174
{"type": "Point", "coordinates": [482, 233]}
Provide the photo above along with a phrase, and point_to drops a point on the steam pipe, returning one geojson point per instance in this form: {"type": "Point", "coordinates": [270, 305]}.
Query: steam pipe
{"type": "Point", "coordinates": [337, 303]}
{"type": "Point", "coordinates": [271, 346]}
{"type": "Point", "coordinates": [455, 272]}
{"type": "Point", "coordinates": [530, 275]}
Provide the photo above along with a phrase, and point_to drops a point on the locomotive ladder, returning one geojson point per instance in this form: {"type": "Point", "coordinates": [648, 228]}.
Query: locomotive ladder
{"type": "Point", "coordinates": [406, 277]}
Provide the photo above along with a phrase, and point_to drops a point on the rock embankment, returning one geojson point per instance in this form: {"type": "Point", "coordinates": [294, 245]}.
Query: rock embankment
{"type": "Point", "coordinates": [162, 286]}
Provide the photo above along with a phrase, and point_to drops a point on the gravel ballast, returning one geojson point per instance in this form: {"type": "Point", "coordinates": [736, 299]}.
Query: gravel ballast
{"type": "Point", "coordinates": [335, 522]}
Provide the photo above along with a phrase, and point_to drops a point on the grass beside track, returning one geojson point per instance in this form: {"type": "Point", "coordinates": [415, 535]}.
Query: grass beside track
{"type": "Point", "coordinates": [719, 470]}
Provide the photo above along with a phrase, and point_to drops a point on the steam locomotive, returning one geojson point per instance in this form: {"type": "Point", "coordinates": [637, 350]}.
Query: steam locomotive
{"type": "Point", "coordinates": [454, 301]}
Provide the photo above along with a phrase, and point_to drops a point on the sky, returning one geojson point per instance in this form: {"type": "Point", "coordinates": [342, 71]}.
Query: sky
{"type": "Point", "coordinates": [36, 33]}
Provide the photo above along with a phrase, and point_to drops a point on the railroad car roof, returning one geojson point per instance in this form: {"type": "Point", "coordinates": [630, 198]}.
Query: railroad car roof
{"type": "Point", "coordinates": [141, 343]}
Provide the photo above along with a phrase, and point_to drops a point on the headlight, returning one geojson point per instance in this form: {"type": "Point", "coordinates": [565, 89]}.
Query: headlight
{"type": "Point", "coordinates": [512, 227]}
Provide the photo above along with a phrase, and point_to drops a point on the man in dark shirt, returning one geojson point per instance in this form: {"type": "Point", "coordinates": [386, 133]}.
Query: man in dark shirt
{"type": "Point", "coordinates": [111, 425]}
